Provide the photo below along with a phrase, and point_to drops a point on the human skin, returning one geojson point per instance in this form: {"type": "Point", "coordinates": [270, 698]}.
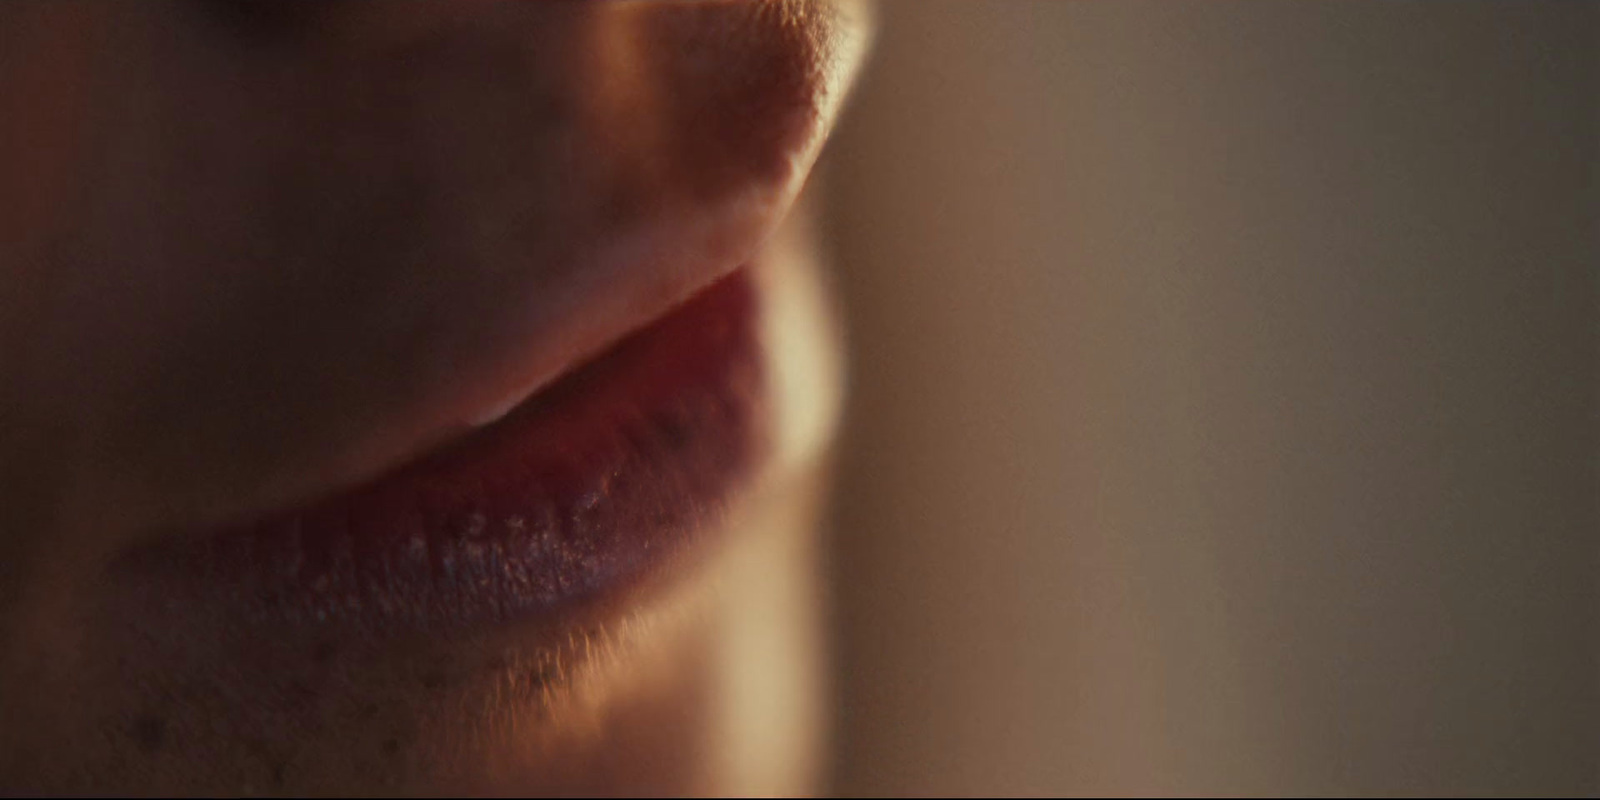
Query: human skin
{"type": "Point", "coordinates": [256, 257]}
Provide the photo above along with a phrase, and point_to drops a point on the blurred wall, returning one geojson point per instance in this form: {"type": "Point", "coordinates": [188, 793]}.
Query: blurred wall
{"type": "Point", "coordinates": [1224, 394]}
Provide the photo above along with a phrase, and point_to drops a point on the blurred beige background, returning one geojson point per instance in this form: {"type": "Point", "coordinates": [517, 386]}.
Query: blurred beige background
{"type": "Point", "coordinates": [1224, 411]}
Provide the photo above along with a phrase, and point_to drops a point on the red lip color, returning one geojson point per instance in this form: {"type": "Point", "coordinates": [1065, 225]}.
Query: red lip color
{"type": "Point", "coordinates": [586, 488]}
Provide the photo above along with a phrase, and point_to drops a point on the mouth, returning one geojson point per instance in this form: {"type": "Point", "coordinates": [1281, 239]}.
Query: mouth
{"type": "Point", "coordinates": [412, 391]}
{"type": "Point", "coordinates": [514, 577]}
{"type": "Point", "coordinates": [610, 475]}
{"type": "Point", "coordinates": [588, 283]}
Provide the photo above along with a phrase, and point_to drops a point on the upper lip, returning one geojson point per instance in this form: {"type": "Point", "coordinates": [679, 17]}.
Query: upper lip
{"type": "Point", "coordinates": [433, 227]}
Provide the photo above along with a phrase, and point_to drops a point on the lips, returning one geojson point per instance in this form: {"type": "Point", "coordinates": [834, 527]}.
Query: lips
{"type": "Point", "coordinates": [386, 231]}
{"type": "Point", "coordinates": [601, 480]}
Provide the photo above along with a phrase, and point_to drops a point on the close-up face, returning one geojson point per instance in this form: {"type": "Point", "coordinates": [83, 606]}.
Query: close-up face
{"type": "Point", "coordinates": [414, 398]}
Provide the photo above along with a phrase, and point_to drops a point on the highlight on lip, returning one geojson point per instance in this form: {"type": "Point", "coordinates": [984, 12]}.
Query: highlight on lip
{"type": "Point", "coordinates": [610, 474]}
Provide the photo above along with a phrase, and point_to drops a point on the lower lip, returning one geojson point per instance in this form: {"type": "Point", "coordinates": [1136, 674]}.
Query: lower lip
{"type": "Point", "coordinates": [604, 479]}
